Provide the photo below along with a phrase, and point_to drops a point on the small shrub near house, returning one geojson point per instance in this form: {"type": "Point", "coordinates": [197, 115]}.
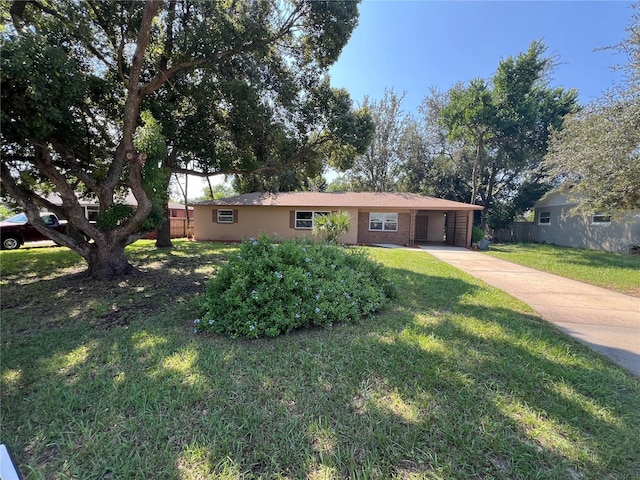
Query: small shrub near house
{"type": "Point", "coordinates": [272, 287]}
{"type": "Point", "coordinates": [476, 234]}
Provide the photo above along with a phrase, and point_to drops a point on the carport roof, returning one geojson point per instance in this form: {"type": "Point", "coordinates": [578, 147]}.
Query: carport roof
{"type": "Point", "coordinates": [341, 199]}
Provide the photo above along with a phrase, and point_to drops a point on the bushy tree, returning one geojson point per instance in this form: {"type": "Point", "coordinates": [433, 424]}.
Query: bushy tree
{"type": "Point", "coordinates": [340, 184]}
{"type": "Point", "coordinates": [439, 166]}
{"type": "Point", "coordinates": [378, 168]}
{"type": "Point", "coordinates": [597, 153]}
{"type": "Point", "coordinates": [232, 87]}
{"type": "Point", "coordinates": [506, 121]}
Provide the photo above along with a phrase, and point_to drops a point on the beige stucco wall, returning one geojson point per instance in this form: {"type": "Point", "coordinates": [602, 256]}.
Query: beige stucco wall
{"type": "Point", "coordinates": [255, 220]}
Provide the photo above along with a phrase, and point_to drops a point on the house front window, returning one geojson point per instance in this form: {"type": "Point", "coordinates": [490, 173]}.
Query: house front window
{"type": "Point", "coordinates": [225, 216]}
{"type": "Point", "coordinates": [600, 219]}
{"type": "Point", "coordinates": [545, 218]}
{"type": "Point", "coordinates": [305, 219]}
{"type": "Point", "coordinates": [387, 222]}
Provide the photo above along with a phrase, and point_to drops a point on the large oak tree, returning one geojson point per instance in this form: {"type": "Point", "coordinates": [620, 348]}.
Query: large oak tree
{"type": "Point", "coordinates": [101, 97]}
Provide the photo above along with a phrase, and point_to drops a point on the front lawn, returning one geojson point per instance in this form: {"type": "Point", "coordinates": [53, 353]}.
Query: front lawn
{"type": "Point", "coordinates": [604, 269]}
{"type": "Point", "coordinates": [456, 380]}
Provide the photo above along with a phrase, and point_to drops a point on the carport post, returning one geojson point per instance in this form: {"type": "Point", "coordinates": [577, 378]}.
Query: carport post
{"type": "Point", "coordinates": [412, 228]}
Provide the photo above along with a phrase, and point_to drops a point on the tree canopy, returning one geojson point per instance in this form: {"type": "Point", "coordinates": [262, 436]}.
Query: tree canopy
{"type": "Point", "coordinates": [506, 122]}
{"type": "Point", "coordinates": [379, 167]}
{"type": "Point", "coordinates": [597, 153]}
{"type": "Point", "coordinates": [228, 87]}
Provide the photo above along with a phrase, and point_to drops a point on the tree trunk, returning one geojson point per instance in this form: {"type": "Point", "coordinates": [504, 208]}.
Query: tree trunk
{"type": "Point", "coordinates": [476, 168]}
{"type": "Point", "coordinates": [487, 200]}
{"type": "Point", "coordinates": [108, 261]}
{"type": "Point", "coordinates": [163, 237]}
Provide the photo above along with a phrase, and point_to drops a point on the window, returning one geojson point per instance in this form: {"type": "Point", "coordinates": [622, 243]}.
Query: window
{"type": "Point", "coordinates": [225, 216]}
{"type": "Point", "coordinates": [91, 212]}
{"type": "Point", "coordinates": [50, 220]}
{"type": "Point", "coordinates": [383, 221]}
{"type": "Point", "coordinates": [304, 219]}
{"type": "Point", "coordinates": [600, 219]}
{"type": "Point", "coordinates": [545, 218]}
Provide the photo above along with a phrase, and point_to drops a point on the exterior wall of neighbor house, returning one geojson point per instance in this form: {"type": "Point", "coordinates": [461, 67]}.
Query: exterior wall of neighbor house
{"type": "Point", "coordinates": [579, 231]}
{"type": "Point", "coordinates": [252, 221]}
{"type": "Point", "coordinates": [179, 213]}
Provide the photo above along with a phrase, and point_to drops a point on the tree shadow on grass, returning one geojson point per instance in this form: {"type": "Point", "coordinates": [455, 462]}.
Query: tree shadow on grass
{"type": "Point", "coordinates": [439, 385]}
{"type": "Point", "coordinates": [70, 298]}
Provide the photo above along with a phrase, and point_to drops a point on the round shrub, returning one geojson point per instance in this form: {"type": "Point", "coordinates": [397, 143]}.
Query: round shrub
{"type": "Point", "coordinates": [271, 287]}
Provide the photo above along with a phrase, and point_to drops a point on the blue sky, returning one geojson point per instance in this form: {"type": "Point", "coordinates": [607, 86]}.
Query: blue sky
{"type": "Point", "coordinates": [412, 45]}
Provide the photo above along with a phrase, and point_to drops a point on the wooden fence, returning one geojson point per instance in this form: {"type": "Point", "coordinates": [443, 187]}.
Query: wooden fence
{"type": "Point", "coordinates": [179, 229]}
{"type": "Point", "coordinates": [518, 232]}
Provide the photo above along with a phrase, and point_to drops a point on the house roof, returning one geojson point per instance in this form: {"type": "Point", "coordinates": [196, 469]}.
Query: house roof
{"type": "Point", "coordinates": [341, 199]}
{"type": "Point", "coordinates": [556, 197]}
{"type": "Point", "coordinates": [178, 206]}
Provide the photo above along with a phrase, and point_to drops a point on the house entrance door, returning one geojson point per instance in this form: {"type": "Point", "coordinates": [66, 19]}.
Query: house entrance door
{"type": "Point", "coordinates": [422, 226]}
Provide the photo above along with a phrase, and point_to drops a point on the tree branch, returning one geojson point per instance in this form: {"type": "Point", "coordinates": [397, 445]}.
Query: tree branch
{"type": "Point", "coordinates": [134, 98]}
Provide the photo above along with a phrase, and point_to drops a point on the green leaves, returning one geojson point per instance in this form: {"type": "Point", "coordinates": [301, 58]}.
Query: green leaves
{"type": "Point", "coordinates": [330, 227]}
{"type": "Point", "coordinates": [331, 23]}
{"type": "Point", "coordinates": [470, 112]}
{"type": "Point", "coordinates": [149, 139]}
{"type": "Point", "coordinates": [271, 288]}
{"type": "Point", "coordinates": [505, 122]}
{"type": "Point", "coordinates": [42, 90]}
{"type": "Point", "coordinates": [115, 215]}
{"type": "Point", "coordinates": [229, 81]}
{"type": "Point", "coordinates": [597, 153]}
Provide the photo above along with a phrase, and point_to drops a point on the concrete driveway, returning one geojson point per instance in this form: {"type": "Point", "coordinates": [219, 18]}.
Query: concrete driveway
{"type": "Point", "coordinates": [607, 321]}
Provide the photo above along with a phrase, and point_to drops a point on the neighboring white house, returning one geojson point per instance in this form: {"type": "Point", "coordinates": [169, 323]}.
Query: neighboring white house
{"type": "Point", "coordinates": [90, 206]}
{"type": "Point", "coordinates": [177, 213]}
{"type": "Point", "coordinates": [599, 231]}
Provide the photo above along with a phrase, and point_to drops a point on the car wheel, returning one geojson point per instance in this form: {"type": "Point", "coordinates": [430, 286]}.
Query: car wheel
{"type": "Point", "coordinates": [10, 243]}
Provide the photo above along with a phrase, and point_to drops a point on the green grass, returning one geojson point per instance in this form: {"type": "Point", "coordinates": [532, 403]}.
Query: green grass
{"type": "Point", "coordinates": [604, 269]}
{"type": "Point", "coordinates": [456, 381]}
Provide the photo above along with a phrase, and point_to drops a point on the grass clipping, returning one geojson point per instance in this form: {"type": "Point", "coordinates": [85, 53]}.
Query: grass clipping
{"type": "Point", "coordinates": [272, 287]}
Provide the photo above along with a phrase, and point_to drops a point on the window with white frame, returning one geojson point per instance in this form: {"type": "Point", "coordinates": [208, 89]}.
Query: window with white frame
{"type": "Point", "coordinates": [91, 212]}
{"type": "Point", "coordinates": [305, 218]}
{"type": "Point", "coordinates": [544, 218]}
{"type": "Point", "coordinates": [600, 218]}
{"type": "Point", "coordinates": [225, 216]}
{"type": "Point", "coordinates": [380, 221]}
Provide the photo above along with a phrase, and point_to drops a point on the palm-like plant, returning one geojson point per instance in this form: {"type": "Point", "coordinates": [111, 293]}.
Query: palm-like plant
{"type": "Point", "coordinates": [331, 226]}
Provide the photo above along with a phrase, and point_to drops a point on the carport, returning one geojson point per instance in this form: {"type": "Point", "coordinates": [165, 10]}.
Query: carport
{"type": "Point", "coordinates": [449, 227]}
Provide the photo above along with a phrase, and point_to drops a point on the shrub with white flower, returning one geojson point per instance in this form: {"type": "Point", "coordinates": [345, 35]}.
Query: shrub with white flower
{"type": "Point", "coordinates": [271, 287]}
